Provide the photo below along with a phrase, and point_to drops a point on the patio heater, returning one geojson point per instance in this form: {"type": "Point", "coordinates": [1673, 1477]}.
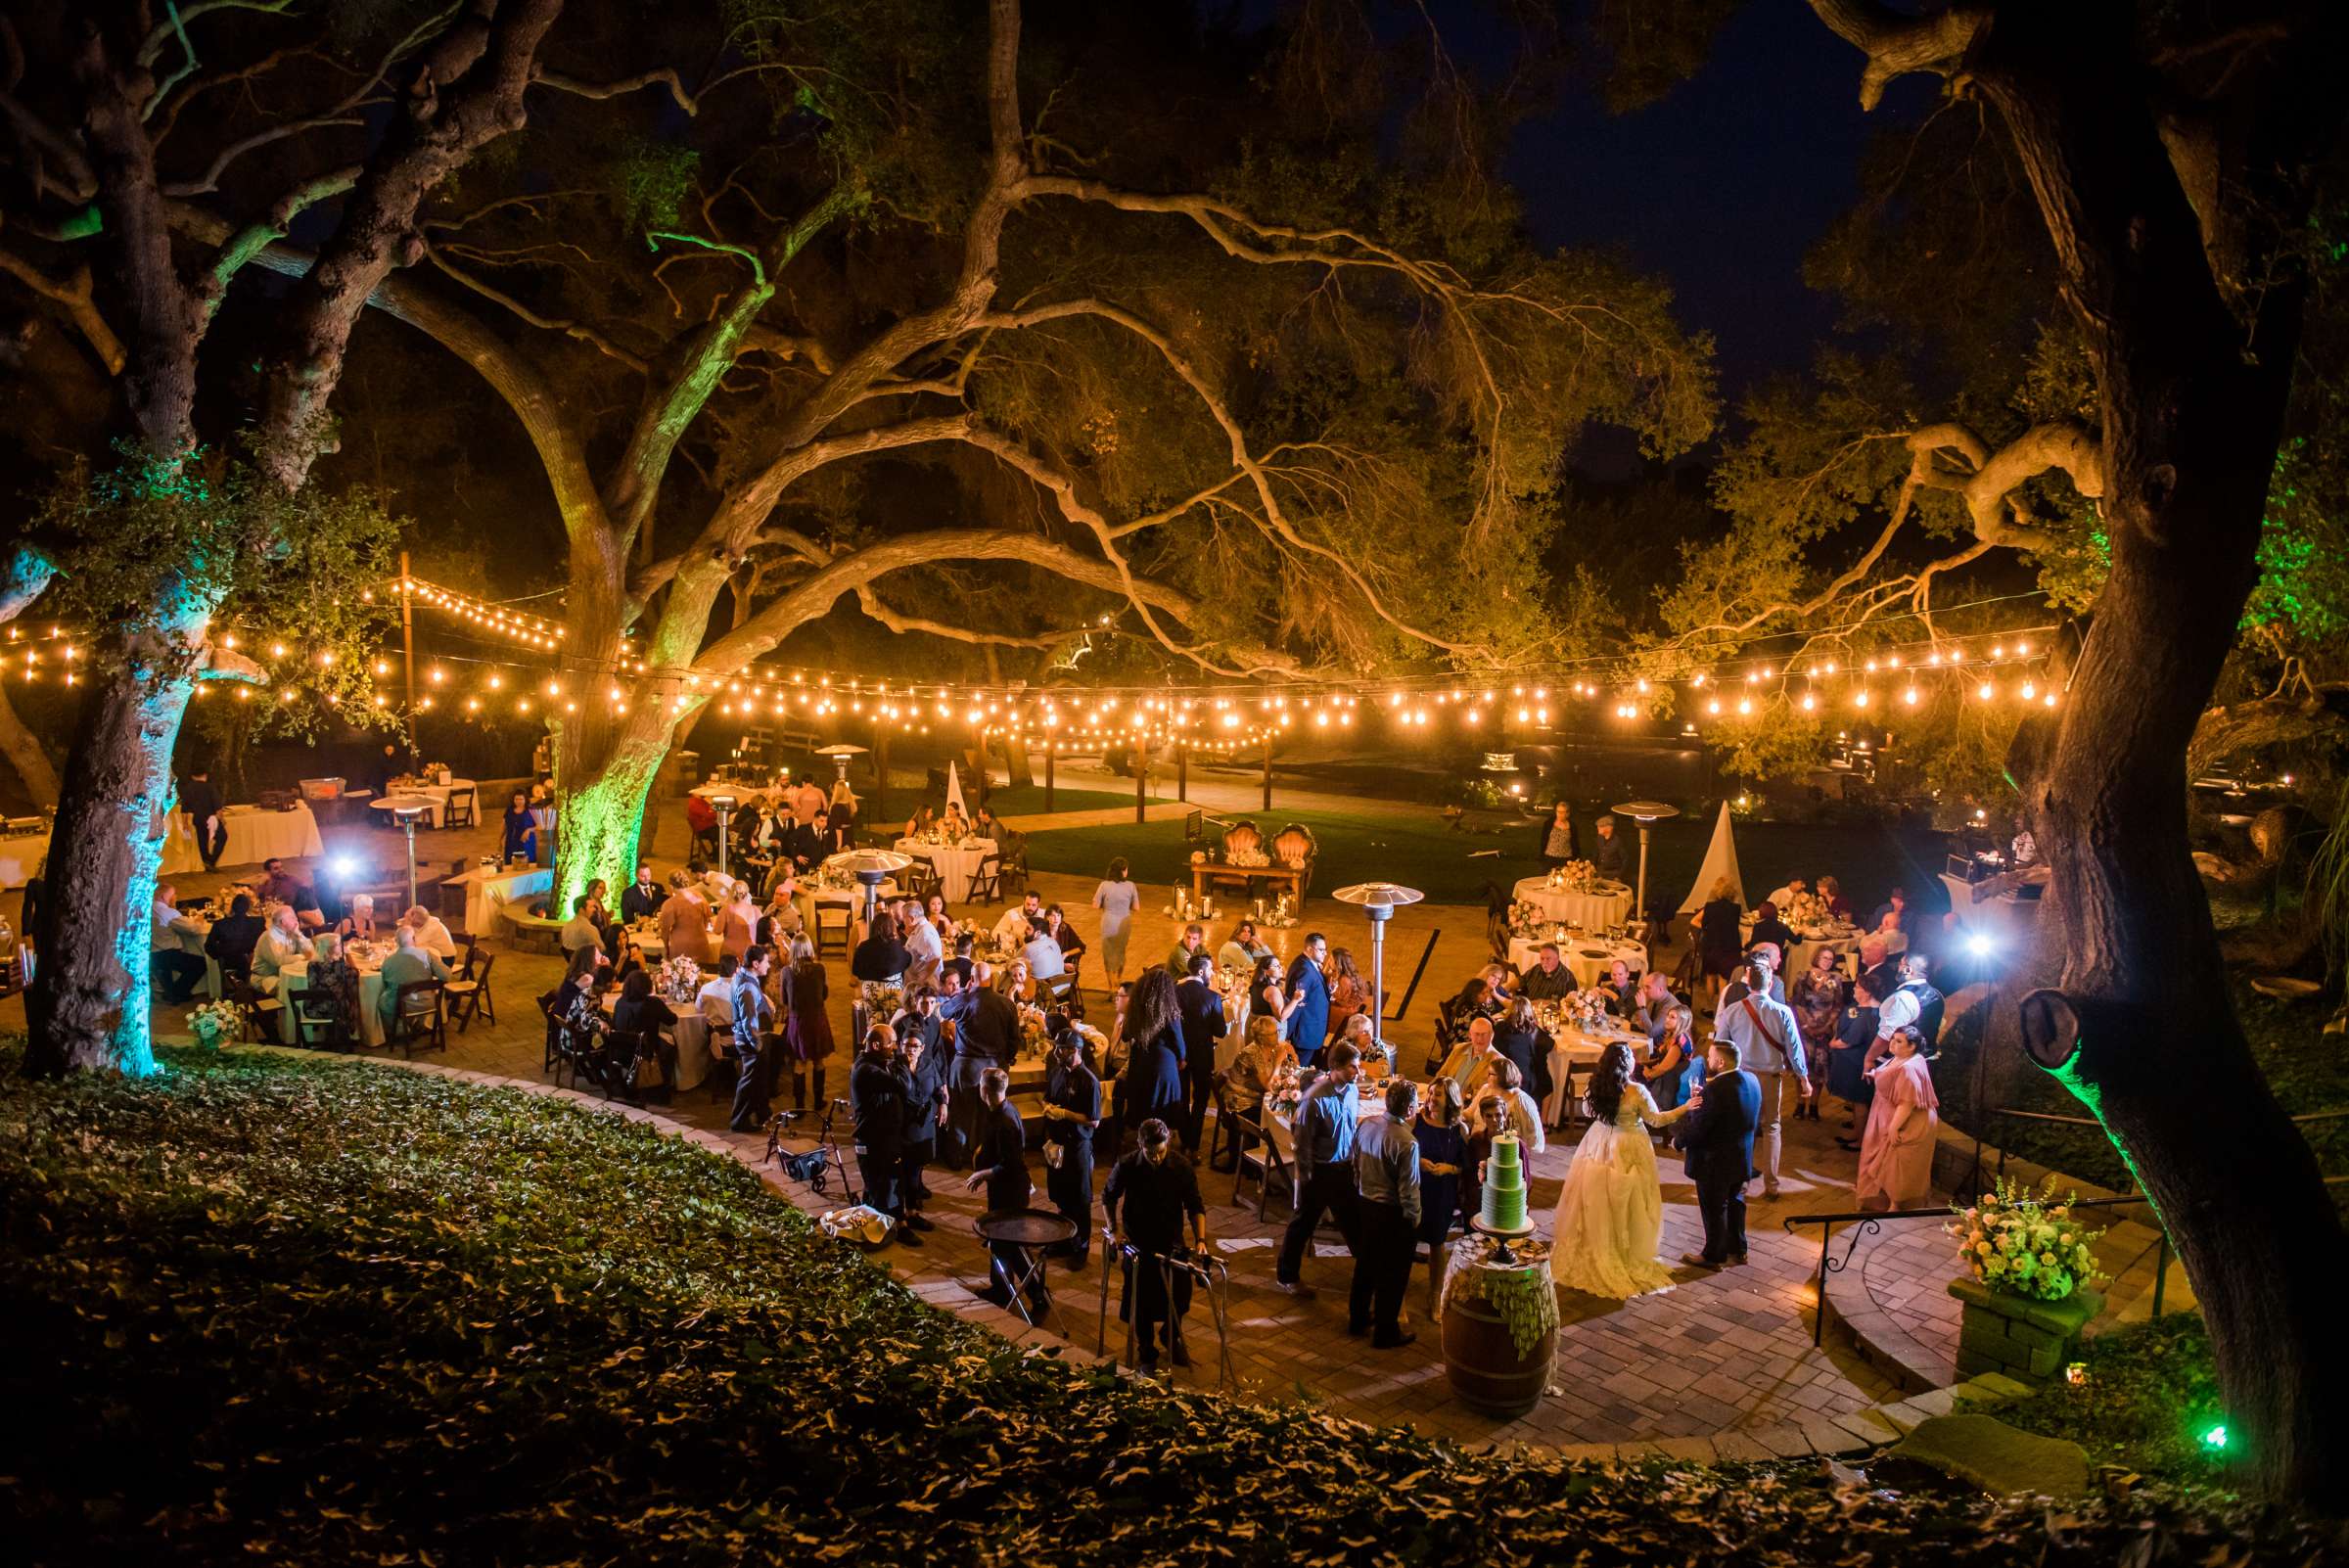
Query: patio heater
{"type": "Point", "coordinates": [1646, 813]}
{"type": "Point", "coordinates": [840, 755]}
{"type": "Point", "coordinates": [872, 867]}
{"type": "Point", "coordinates": [1379, 901]}
{"type": "Point", "coordinates": [407, 814]}
{"type": "Point", "coordinates": [723, 806]}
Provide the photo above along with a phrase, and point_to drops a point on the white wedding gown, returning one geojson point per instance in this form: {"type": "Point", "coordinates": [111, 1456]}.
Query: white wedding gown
{"type": "Point", "coordinates": [1611, 1213]}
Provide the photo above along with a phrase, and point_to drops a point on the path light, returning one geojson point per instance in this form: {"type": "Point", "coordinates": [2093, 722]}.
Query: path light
{"type": "Point", "coordinates": [1646, 813]}
{"type": "Point", "coordinates": [1379, 901]}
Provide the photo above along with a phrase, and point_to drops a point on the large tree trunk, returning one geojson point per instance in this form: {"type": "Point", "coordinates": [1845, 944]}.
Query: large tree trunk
{"type": "Point", "coordinates": [2193, 406]}
{"type": "Point", "coordinates": [88, 1006]}
{"type": "Point", "coordinates": [24, 751]}
{"type": "Point", "coordinates": [600, 806]}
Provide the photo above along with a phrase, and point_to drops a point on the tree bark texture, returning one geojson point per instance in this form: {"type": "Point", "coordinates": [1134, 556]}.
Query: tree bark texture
{"type": "Point", "coordinates": [24, 751]}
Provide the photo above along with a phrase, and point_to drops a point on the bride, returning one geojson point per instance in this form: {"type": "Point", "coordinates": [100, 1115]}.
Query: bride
{"type": "Point", "coordinates": [1611, 1211]}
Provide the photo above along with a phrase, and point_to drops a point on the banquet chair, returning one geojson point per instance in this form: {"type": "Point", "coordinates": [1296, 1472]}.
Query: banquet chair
{"type": "Point", "coordinates": [317, 1031]}
{"type": "Point", "coordinates": [919, 880]}
{"type": "Point", "coordinates": [261, 1012]}
{"type": "Point", "coordinates": [462, 809]}
{"type": "Point", "coordinates": [417, 1021]}
{"type": "Point", "coordinates": [1228, 1132]}
{"type": "Point", "coordinates": [1257, 1152]}
{"type": "Point", "coordinates": [468, 992]}
{"type": "Point", "coordinates": [1060, 990]}
{"type": "Point", "coordinates": [834, 922]}
{"type": "Point", "coordinates": [986, 883]}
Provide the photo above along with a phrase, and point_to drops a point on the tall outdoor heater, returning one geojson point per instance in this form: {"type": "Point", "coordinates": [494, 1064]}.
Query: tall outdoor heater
{"type": "Point", "coordinates": [872, 867]}
{"type": "Point", "coordinates": [1379, 901]}
{"type": "Point", "coordinates": [840, 755]}
{"type": "Point", "coordinates": [407, 812]}
{"type": "Point", "coordinates": [723, 806]}
{"type": "Point", "coordinates": [1646, 813]}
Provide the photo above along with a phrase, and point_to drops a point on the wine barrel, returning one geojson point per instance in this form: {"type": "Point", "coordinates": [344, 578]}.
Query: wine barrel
{"type": "Point", "coordinates": [1488, 1372]}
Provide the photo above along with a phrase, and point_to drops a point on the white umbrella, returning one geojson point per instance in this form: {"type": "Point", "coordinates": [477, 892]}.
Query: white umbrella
{"type": "Point", "coordinates": [1721, 861]}
{"type": "Point", "coordinates": [955, 788]}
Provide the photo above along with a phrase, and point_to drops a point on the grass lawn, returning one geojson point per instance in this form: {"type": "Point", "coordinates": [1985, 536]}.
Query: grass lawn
{"type": "Point", "coordinates": [2150, 1395]}
{"type": "Point", "coordinates": [317, 1312]}
{"type": "Point", "coordinates": [1027, 800]}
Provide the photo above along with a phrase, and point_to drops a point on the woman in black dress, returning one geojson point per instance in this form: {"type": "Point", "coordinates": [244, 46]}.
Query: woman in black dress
{"type": "Point", "coordinates": [1720, 941]}
{"type": "Point", "coordinates": [646, 1018]}
{"type": "Point", "coordinates": [1442, 1156]}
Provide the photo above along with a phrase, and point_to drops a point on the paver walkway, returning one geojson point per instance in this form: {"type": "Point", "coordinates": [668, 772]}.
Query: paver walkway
{"type": "Point", "coordinates": [1726, 1352]}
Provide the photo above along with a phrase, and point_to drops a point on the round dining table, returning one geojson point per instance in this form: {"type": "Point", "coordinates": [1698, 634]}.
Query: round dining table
{"type": "Point", "coordinates": [956, 863]}
{"type": "Point", "coordinates": [1586, 958]}
{"type": "Point", "coordinates": [1594, 907]}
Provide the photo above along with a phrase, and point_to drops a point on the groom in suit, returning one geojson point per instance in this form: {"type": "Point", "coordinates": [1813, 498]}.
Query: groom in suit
{"type": "Point", "coordinates": [1717, 1139]}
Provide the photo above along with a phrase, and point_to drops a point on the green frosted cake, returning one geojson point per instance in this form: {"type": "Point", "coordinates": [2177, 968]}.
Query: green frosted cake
{"type": "Point", "coordinates": [1504, 1190]}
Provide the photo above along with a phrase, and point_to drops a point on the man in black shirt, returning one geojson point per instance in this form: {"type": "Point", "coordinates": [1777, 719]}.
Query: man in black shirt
{"type": "Point", "coordinates": [1151, 1193]}
{"type": "Point", "coordinates": [1001, 1168]}
{"type": "Point", "coordinates": [879, 955]}
{"type": "Point", "coordinates": [921, 1042]}
{"type": "Point", "coordinates": [641, 898]}
{"type": "Point", "coordinates": [234, 936]}
{"type": "Point", "coordinates": [960, 965]}
{"type": "Point", "coordinates": [1201, 1007]}
{"type": "Point", "coordinates": [1768, 927]}
{"type": "Point", "coordinates": [202, 802]}
{"type": "Point", "coordinates": [879, 1097]}
{"type": "Point", "coordinates": [1072, 1110]}
{"type": "Point", "coordinates": [987, 1033]}
{"type": "Point", "coordinates": [1611, 856]}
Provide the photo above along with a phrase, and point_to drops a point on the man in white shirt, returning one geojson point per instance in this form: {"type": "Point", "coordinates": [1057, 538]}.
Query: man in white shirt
{"type": "Point", "coordinates": [715, 1001]}
{"type": "Point", "coordinates": [431, 934]}
{"type": "Point", "coordinates": [923, 947]}
{"type": "Point", "coordinates": [1043, 952]}
{"type": "Point", "coordinates": [579, 931]}
{"type": "Point", "coordinates": [280, 945]}
{"type": "Point", "coordinates": [177, 971]}
{"type": "Point", "coordinates": [1785, 896]}
{"type": "Point", "coordinates": [1770, 1046]}
{"type": "Point", "coordinates": [1016, 924]}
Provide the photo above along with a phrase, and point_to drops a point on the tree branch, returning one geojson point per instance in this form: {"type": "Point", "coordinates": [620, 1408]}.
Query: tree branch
{"type": "Point", "coordinates": [568, 327]}
{"type": "Point", "coordinates": [1897, 44]}
{"type": "Point", "coordinates": [76, 294]}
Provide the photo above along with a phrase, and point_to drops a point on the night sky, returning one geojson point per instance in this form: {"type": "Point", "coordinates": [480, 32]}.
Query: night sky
{"type": "Point", "coordinates": [1724, 183]}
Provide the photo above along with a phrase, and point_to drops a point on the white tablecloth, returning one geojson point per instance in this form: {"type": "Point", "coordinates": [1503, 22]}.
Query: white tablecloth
{"type": "Point", "coordinates": [690, 1035]}
{"type": "Point", "coordinates": [489, 890]}
{"type": "Point", "coordinates": [371, 1002]}
{"type": "Point", "coordinates": [193, 942]}
{"type": "Point", "coordinates": [18, 856]}
{"type": "Point", "coordinates": [1604, 905]}
{"type": "Point", "coordinates": [1844, 943]}
{"type": "Point", "coordinates": [254, 836]}
{"type": "Point", "coordinates": [434, 795]}
{"type": "Point", "coordinates": [955, 866]}
{"type": "Point", "coordinates": [1586, 956]}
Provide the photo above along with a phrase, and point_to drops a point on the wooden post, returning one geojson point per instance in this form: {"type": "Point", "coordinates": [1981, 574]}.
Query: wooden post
{"type": "Point", "coordinates": [1051, 753]}
{"type": "Point", "coordinates": [407, 651]}
{"type": "Point", "coordinates": [1183, 772]}
{"type": "Point", "coordinates": [1141, 779]}
{"type": "Point", "coordinates": [1268, 770]}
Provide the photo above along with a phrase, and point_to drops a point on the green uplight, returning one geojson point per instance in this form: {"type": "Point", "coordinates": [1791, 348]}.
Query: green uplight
{"type": "Point", "coordinates": [2215, 1438]}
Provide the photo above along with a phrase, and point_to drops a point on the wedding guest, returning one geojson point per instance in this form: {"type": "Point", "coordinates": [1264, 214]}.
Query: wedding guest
{"type": "Point", "coordinates": [431, 933]}
{"type": "Point", "coordinates": [1442, 1154]}
{"type": "Point", "coordinates": [519, 838]}
{"type": "Point", "coordinates": [1474, 1001]}
{"type": "Point", "coordinates": [359, 919]}
{"type": "Point", "coordinates": [1520, 1036]}
{"type": "Point", "coordinates": [409, 963]}
{"type": "Point", "coordinates": [1154, 1076]}
{"type": "Point", "coordinates": [1765, 954]}
{"type": "Point", "coordinates": [1241, 951]}
{"type": "Point", "coordinates": [1655, 999]}
{"type": "Point", "coordinates": [1386, 1172]}
{"type": "Point", "coordinates": [1893, 913]}
{"type": "Point", "coordinates": [331, 992]}
{"type": "Point", "coordinates": [281, 944]}
{"type": "Point", "coordinates": [176, 972]}
{"type": "Point", "coordinates": [648, 1020]}
{"type": "Point", "coordinates": [1855, 1045]}
{"type": "Point", "coordinates": [1041, 951]}
{"type": "Point", "coordinates": [1323, 1135]}
{"type": "Point", "coordinates": [781, 920]}
{"type": "Point", "coordinates": [1072, 944]}
{"type": "Point", "coordinates": [1550, 980]}
{"type": "Point", "coordinates": [1717, 1138]}
{"type": "Point", "coordinates": [715, 1001]}
{"type": "Point", "coordinates": [1768, 927]}
{"type": "Point", "coordinates": [1188, 946]}
{"type": "Point", "coordinates": [1831, 893]}
{"type": "Point", "coordinates": [737, 920]}
{"type": "Point", "coordinates": [235, 935]}
{"type": "Point", "coordinates": [1896, 1152]}
{"type": "Point", "coordinates": [1269, 993]}
{"type": "Point", "coordinates": [1309, 1020]}
{"type": "Point", "coordinates": [1770, 1049]}
{"type": "Point", "coordinates": [879, 1105]}
{"type": "Point", "coordinates": [1501, 1105]}
{"type": "Point", "coordinates": [753, 1016]}
{"type": "Point", "coordinates": [1263, 1060]}
{"type": "Point", "coordinates": [999, 1164]}
{"type": "Point", "coordinates": [1818, 1003]}
{"type": "Point", "coordinates": [880, 956]}
{"type": "Point", "coordinates": [1671, 1052]}
{"type": "Point", "coordinates": [986, 1031]}
{"type": "Point", "coordinates": [277, 885]}
{"type": "Point", "coordinates": [200, 797]}
{"type": "Point", "coordinates": [835, 831]}
{"type": "Point", "coordinates": [684, 920]}
{"type": "Point", "coordinates": [1620, 990]}
{"type": "Point", "coordinates": [1558, 843]}
{"type": "Point", "coordinates": [1877, 964]}
{"type": "Point", "coordinates": [921, 1036]}
{"type": "Point", "coordinates": [1348, 991]}
{"type": "Point", "coordinates": [925, 948]}
{"type": "Point", "coordinates": [1719, 944]}
{"type": "Point", "coordinates": [1611, 856]}
{"type": "Point", "coordinates": [1794, 889]}
{"type": "Point", "coordinates": [806, 1024]}
{"type": "Point", "coordinates": [1914, 1001]}
{"type": "Point", "coordinates": [626, 957]}
{"type": "Point", "coordinates": [1152, 1197]}
{"type": "Point", "coordinates": [1072, 1111]}
{"type": "Point", "coordinates": [1199, 1007]}
{"type": "Point", "coordinates": [641, 898]}
{"type": "Point", "coordinates": [809, 799]}
{"type": "Point", "coordinates": [1117, 898]}
{"type": "Point", "coordinates": [962, 966]}
{"type": "Point", "coordinates": [579, 930]}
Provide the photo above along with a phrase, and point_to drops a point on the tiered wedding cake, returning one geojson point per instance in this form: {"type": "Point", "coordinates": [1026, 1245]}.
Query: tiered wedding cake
{"type": "Point", "coordinates": [1504, 1190]}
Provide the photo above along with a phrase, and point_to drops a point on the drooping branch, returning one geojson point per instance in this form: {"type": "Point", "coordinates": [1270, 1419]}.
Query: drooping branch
{"type": "Point", "coordinates": [1897, 43]}
{"type": "Point", "coordinates": [76, 294]}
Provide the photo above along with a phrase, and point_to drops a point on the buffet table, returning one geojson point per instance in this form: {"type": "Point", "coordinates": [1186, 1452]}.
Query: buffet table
{"type": "Point", "coordinates": [1593, 908]}
{"type": "Point", "coordinates": [955, 863]}
{"type": "Point", "coordinates": [254, 836]}
{"type": "Point", "coordinates": [489, 889]}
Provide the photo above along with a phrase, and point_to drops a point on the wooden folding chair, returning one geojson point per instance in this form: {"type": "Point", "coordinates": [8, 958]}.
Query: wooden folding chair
{"type": "Point", "coordinates": [417, 1020]}
{"type": "Point", "coordinates": [1259, 1153]}
{"type": "Point", "coordinates": [468, 992]}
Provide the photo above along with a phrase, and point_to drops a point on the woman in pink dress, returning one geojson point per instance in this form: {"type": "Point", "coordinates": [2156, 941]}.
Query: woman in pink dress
{"type": "Point", "coordinates": [1896, 1151]}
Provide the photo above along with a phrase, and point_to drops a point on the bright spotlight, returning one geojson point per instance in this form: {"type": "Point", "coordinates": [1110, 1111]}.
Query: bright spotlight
{"type": "Point", "coordinates": [1980, 945]}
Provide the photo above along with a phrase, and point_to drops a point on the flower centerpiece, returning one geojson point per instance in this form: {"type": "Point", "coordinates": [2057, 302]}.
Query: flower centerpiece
{"type": "Point", "coordinates": [1527, 922]}
{"type": "Point", "coordinates": [680, 979]}
{"type": "Point", "coordinates": [1575, 876]}
{"type": "Point", "coordinates": [2020, 1241]}
{"type": "Point", "coordinates": [1198, 857]}
{"type": "Point", "coordinates": [1586, 1010]}
{"type": "Point", "coordinates": [1807, 912]}
{"type": "Point", "coordinates": [1286, 1090]}
{"type": "Point", "coordinates": [1247, 857]}
{"type": "Point", "coordinates": [1035, 1041]}
{"type": "Point", "coordinates": [217, 1023]}
{"type": "Point", "coordinates": [1281, 917]}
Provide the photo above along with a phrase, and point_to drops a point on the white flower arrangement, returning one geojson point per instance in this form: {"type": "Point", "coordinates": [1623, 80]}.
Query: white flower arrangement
{"type": "Point", "coordinates": [215, 1023]}
{"type": "Point", "coordinates": [2022, 1242]}
{"type": "Point", "coordinates": [680, 979]}
{"type": "Point", "coordinates": [1807, 911]}
{"type": "Point", "coordinates": [1575, 876]}
{"type": "Point", "coordinates": [1586, 1010]}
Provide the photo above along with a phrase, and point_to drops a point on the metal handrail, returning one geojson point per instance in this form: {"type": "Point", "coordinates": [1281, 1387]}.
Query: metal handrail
{"type": "Point", "coordinates": [1869, 1221]}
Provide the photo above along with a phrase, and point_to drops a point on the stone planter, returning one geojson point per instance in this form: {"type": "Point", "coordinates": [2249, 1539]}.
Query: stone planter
{"type": "Point", "coordinates": [2025, 1339]}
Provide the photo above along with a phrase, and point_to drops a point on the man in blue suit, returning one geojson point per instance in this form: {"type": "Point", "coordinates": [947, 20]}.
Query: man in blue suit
{"type": "Point", "coordinates": [1201, 1007]}
{"type": "Point", "coordinates": [1717, 1138]}
{"type": "Point", "coordinates": [1309, 1022]}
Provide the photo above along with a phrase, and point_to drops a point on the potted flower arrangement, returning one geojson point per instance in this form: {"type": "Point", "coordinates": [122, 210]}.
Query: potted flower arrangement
{"type": "Point", "coordinates": [1807, 912]}
{"type": "Point", "coordinates": [1586, 1010]}
{"type": "Point", "coordinates": [1527, 922]}
{"type": "Point", "coordinates": [217, 1023]}
{"type": "Point", "coordinates": [680, 980]}
{"type": "Point", "coordinates": [2025, 1291]}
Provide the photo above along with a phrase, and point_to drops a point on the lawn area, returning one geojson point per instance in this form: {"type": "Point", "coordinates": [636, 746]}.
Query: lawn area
{"type": "Point", "coordinates": [320, 1311]}
{"type": "Point", "coordinates": [1388, 841]}
{"type": "Point", "coordinates": [1027, 800]}
{"type": "Point", "coordinates": [2149, 1395]}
